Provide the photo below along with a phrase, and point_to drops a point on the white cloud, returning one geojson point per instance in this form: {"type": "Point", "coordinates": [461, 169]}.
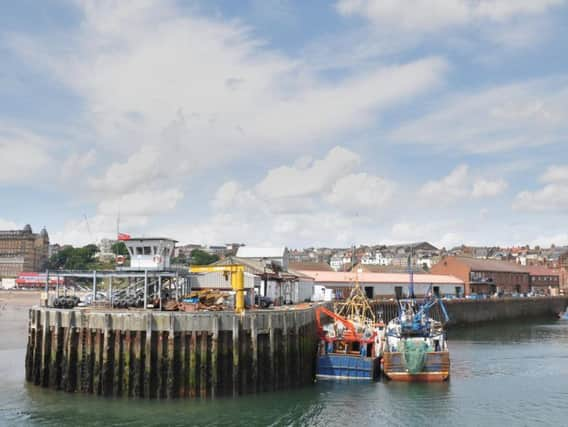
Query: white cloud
{"type": "Point", "coordinates": [450, 187]}
{"type": "Point", "coordinates": [306, 179]}
{"type": "Point", "coordinates": [494, 120]}
{"type": "Point", "coordinates": [460, 184]}
{"type": "Point", "coordinates": [76, 165]}
{"type": "Point", "coordinates": [168, 94]}
{"type": "Point", "coordinates": [313, 200]}
{"type": "Point", "coordinates": [553, 197]}
{"type": "Point", "coordinates": [435, 15]}
{"type": "Point", "coordinates": [555, 174]}
{"type": "Point", "coordinates": [361, 191]}
{"type": "Point", "coordinates": [488, 188]}
{"type": "Point", "coordinates": [142, 203]}
{"type": "Point", "coordinates": [26, 156]}
{"type": "Point", "coordinates": [9, 225]}
{"type": "Point", "coordinates": [560, 239]}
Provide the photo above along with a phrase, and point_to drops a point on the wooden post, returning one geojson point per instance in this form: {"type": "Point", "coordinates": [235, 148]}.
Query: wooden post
{"type": "Point", "coordinates": [214, 355]}
{"type": "Point", "coordinates": [56, 349]}
{"type": "Point", "coordinates": [286, 344]}
{"type": "Point", "coordinates": [98, 359]}
{"type": "Point", "coordinates": [254, 344]}
{"type": "Point", "coordinates": [271, 343]}
{"type": "Point", "coordinates": [148, 346]}
{"type": "Point", "coordinates": [45, 350]}
{"type": "Point", "coordinates": [203, 365]}
{"type": "Point", "coordinates": [126, 364]}
{"type": "Point", "coordinates": [297, 351]}
{"type": "Point", "coordinates": [71, 351]}
{"type": "Point", "coordinates": [30, 347]}
{"type": "Point", "coordinates": [235, 355]}
{"type": "Point", "coordinates": [171, 359]}
{"type": "Point", "coordinates": [118, 362]}
{"type": "Point", "coordinates": [138, 379]}
{"type": "Point", "coordinates": [106, 378]}
{"type": "Point", "coordinates": [192, 365]}
{"type": "Point", "coordinates": [159, 375]}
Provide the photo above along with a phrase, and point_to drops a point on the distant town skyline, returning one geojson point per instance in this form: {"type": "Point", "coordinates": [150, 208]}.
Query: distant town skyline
{"type": "Point", "coordinates": [286, 123]}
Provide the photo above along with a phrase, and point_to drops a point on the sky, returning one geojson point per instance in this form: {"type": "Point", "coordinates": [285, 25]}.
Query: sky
{"type": "Point", "coordinates": [286, 123]}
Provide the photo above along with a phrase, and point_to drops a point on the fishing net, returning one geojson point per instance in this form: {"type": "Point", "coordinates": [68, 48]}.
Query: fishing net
{"type": "Point", "coordinates": [414, 353]}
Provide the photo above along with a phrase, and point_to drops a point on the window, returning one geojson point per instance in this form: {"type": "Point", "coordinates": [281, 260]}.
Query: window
{"type": "Point", "coordinates": [147, 250]}
{"type": "Point", "coordinates": [398, 292]}
{"type": "Point", "coordinates": [155, 250]}
{"type": "Point", "coordinates": [138, 250]}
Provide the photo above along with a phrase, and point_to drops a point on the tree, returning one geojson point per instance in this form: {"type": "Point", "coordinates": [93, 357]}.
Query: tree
{"type": "Point", "coordinates": [119, 248]}
{"type": "Point", "coordinates": [199, 257]}
{"type": "Point", "coordinates": [180, 259]}
{"type": "Point", "coordinates": [70, 258]}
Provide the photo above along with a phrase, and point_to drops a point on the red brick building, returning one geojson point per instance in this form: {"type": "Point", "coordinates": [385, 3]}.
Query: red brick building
{"type": "Point", "coordinates": [482, 276]}
{"type": "Point", "coordinates": [543, 280]}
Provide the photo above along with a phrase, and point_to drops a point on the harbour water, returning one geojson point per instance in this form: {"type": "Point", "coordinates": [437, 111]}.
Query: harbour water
{"type": "Point", "coordinates": [506, 374]}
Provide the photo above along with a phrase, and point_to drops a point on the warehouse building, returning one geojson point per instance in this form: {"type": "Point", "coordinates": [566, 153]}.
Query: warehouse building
{"type": "Point", "coordinates": [386, 285]}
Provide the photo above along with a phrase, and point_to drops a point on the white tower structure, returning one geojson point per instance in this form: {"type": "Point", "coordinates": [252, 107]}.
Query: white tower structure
{"type": "Point", "coordinates": [150, 253]}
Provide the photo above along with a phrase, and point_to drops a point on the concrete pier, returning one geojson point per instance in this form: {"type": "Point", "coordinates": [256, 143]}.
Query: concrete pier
{"type": "Point", "coordinates": [170, 355]}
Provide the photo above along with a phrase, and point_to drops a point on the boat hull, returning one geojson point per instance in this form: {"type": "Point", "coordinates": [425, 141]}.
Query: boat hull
{"type": "Point", "coordinates": [345, 366]}
{"type": "Point", "coordinates": [436, 367]}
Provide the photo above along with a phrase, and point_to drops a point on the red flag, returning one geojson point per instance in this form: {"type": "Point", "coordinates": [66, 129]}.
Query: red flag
{"type": "Point", "coordinates": [123, 236]}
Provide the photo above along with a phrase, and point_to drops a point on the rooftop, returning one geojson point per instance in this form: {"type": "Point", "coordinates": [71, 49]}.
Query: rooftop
{"type": "Point", "coordinates": [477, 264]}
{"type": "Point", "coordinates": [350, 277]}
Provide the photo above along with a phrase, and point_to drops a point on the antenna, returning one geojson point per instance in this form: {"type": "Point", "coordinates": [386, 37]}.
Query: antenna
{"type": "Point", "coordinates": [411, 274]}
{"type": "Point", "coordinates": [88, 228]}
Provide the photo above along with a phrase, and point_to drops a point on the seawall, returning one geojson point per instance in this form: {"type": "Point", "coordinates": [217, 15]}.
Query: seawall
{"type": "Point", "coordinates": [170, 355]}
{"type": "Point", "coordinates": [463, 311]}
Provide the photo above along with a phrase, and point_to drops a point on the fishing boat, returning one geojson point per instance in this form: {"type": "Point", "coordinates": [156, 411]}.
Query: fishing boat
{"type": "Point", "coordinates": [416, 348]}
{"type": "Point", "coordinates": [351, 344]}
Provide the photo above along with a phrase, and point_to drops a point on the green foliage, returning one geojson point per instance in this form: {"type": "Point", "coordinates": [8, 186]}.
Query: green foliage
{"type": "Point", "coordinates": [199, 257]}
{"type": "Point", "coordinates": [119, 248]}
{"type": "Point", "coordinates": [181, 259]}
{"type": "Point", "coordinates": [70, 258]}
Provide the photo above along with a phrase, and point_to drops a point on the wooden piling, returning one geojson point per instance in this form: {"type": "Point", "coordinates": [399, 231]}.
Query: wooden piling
{"type": "Point", "coordinates": [193, 365]}
{"type": "Point", "coordinates": [214, 355]}
{"type": "Point", "coordinates": [165, 355]}
{"type": "Point", "coordinates": [235, 356]}
{"type": "Point", "coordinates": [171, 374]}
{"type": "Point", "coordinates": [203, 365]}
{"type": "Point", "coordinates": [147, 357]}
{"type": "Point", "coordinates": [254, 353]}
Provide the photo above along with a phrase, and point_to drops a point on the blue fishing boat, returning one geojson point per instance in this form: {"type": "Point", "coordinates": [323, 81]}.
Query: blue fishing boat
{"type": "Point", "coordinates": [351, 343]}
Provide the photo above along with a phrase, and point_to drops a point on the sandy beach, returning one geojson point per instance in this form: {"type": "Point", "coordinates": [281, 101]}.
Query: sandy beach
{"type": "Point", "coordinates": [14, 305]}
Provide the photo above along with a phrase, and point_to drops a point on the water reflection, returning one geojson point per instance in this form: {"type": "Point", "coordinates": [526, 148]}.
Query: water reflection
{"type": "Point", "coordinates": [514, 374]}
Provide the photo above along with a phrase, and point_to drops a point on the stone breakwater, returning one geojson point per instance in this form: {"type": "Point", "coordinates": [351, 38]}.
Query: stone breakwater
{"type": "Point", "coordinates": [161, 355]}
{"type": "Point", "coordinates": [467, 312]}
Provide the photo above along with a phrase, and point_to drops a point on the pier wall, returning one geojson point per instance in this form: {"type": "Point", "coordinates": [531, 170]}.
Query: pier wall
{"type": "Point", "coordinates": [487, 310]}
{"type": "Point", "coordinates": [170, 355]}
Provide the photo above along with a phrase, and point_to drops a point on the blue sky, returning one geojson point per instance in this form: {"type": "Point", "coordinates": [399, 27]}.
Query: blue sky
{"type": "Point", "coordinates": [276, 122]}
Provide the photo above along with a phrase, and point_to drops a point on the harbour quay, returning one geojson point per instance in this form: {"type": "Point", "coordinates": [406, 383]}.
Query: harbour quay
{"type": "Point", "coordinates": [151, 354]}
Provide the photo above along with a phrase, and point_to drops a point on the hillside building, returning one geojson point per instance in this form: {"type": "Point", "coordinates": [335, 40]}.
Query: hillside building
{"type": "Point", "coordinates": [23, 250]}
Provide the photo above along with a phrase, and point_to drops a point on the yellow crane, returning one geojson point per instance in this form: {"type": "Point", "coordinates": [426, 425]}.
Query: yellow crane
{"type": "Point", "coordinates": [237, 273]}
